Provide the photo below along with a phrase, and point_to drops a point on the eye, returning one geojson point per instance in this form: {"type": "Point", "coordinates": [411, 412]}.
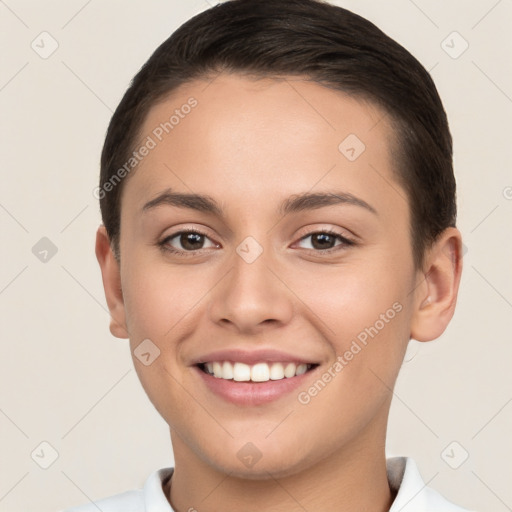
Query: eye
{"type": "Point", "coordinates": [323, 241]}
{"type": "Point", "coordinates": [190, 241]}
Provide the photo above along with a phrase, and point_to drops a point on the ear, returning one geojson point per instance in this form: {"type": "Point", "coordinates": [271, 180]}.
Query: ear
{"type": "Point", "coordinates": [111, 276]}
{"type": "Point", "coordinates": [437, 287]}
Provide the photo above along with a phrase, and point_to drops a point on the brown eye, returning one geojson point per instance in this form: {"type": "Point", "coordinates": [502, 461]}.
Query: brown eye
{"type": "Point", "coordinates": [191, 241]}
{"type": "Point", "coordinates": [325, 241]}
{"type": "Point", "coordinates": [186, 242]}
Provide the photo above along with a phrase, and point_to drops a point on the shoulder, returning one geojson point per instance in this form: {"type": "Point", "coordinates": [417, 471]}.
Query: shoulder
{"type": "Point", "coordinates": [413, 495]}
{"type": "Point", "coordinates": [150, 498]}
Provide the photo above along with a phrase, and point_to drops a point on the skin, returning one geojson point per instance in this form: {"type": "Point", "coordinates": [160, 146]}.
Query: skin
{"type": "Point", "coordinates": [249, 145]}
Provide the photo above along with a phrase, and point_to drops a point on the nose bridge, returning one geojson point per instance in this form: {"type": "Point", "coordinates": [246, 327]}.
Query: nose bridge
{"type": "Point", "coordinates": [252, 264]}
{"type": "Point", "coordinates": [250, 293]}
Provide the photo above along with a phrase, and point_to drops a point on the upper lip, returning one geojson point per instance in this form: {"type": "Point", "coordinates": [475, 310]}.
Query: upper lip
{"type": "Point", "coordinates": [252, 356]}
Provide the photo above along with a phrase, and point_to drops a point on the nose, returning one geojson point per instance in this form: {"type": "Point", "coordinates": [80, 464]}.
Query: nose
{"type": "Point", "coordinates": [252, 295]}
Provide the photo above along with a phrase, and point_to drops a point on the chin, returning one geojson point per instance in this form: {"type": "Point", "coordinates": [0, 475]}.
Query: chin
{"type": "Point", "coordinates": [277, 465]}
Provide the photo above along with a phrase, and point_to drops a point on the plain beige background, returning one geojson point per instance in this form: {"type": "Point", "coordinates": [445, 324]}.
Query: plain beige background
{"type": "Point", "coordinates": [67, 383]}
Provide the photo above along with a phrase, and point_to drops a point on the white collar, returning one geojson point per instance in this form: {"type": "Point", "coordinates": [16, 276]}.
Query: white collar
{"type": "Point", "coordinates": [413, 495]}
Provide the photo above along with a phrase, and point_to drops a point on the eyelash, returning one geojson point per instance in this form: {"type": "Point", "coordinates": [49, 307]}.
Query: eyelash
{"type": "Point", "coordinates": [345, 242]}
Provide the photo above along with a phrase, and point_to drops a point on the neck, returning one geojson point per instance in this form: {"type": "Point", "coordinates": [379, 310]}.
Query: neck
{"type": "Point", "coordinates": [346, 480]}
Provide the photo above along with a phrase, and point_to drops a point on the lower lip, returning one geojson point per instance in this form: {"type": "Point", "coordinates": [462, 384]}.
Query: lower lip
{"type": "Point", "coordinates": [252, 393]}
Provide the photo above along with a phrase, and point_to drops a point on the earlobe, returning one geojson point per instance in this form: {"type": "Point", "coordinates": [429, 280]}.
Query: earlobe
{"type": "Point", "coordinates": [438, 286]}
{"type": "Point", "coordinates": [111, 277]}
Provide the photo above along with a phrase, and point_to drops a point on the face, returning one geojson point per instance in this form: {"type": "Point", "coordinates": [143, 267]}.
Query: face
{"type": "Point", "coordinates": [260, 275]}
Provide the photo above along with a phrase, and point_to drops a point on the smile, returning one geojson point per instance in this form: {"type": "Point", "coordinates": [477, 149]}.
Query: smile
{"type": "Point", "coordinates": [253, 384]}
{"type": "Point", "coordinates": [259, 372]}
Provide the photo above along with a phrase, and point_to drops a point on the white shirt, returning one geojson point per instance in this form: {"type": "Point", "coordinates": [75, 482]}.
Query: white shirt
{"type": "Point", "coordinates": [403, 476]}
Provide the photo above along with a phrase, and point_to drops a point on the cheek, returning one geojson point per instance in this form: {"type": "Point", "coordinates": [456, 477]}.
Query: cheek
{"type": "Point", "coordinates": [363, 313]}
{"type": "Point", "coordinates": [158, 303]}
{"type": "Point", "coordinates": [349, 393]}
{"type": "Point", "coordinates": [348, 298]}
{"type": "Point", "coordinates": [157, 298]}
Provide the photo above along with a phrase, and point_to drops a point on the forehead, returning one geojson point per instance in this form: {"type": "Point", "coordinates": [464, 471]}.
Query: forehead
{"type": "Point", "coordinates": [264, 139]}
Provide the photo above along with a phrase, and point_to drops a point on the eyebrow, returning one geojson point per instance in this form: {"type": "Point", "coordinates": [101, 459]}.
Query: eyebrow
{"type": "Point", "coordinates": [293, 204]}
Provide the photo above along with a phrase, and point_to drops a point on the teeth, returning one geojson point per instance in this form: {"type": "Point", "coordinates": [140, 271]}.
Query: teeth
{"type": "Point", "coordinates": [227, 370]}
{"type": "Point", "coordinates": [217, 369]}
{"type": "Point", "coordinates": [241, 372]}
{"type": "Point", "coordinates": [302, 368]}
{"type": "Point", "coordinates": [289, 370]}
{"type": "Point", "coordinates": [260, 372]}
{"type": "Point", "coordinates": [276, 371]}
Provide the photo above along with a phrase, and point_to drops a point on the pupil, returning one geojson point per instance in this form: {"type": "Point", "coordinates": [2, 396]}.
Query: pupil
{"type": "Point", "coordinates": [188, 240]}
{"type": "Point", "coordinates": [325, 237]}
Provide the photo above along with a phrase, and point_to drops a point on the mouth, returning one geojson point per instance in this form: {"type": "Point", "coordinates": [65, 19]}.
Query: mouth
{"type": "Point", "coordinates": [259, 372]}
{"type": "Point", "coordinates": [253, 384]}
